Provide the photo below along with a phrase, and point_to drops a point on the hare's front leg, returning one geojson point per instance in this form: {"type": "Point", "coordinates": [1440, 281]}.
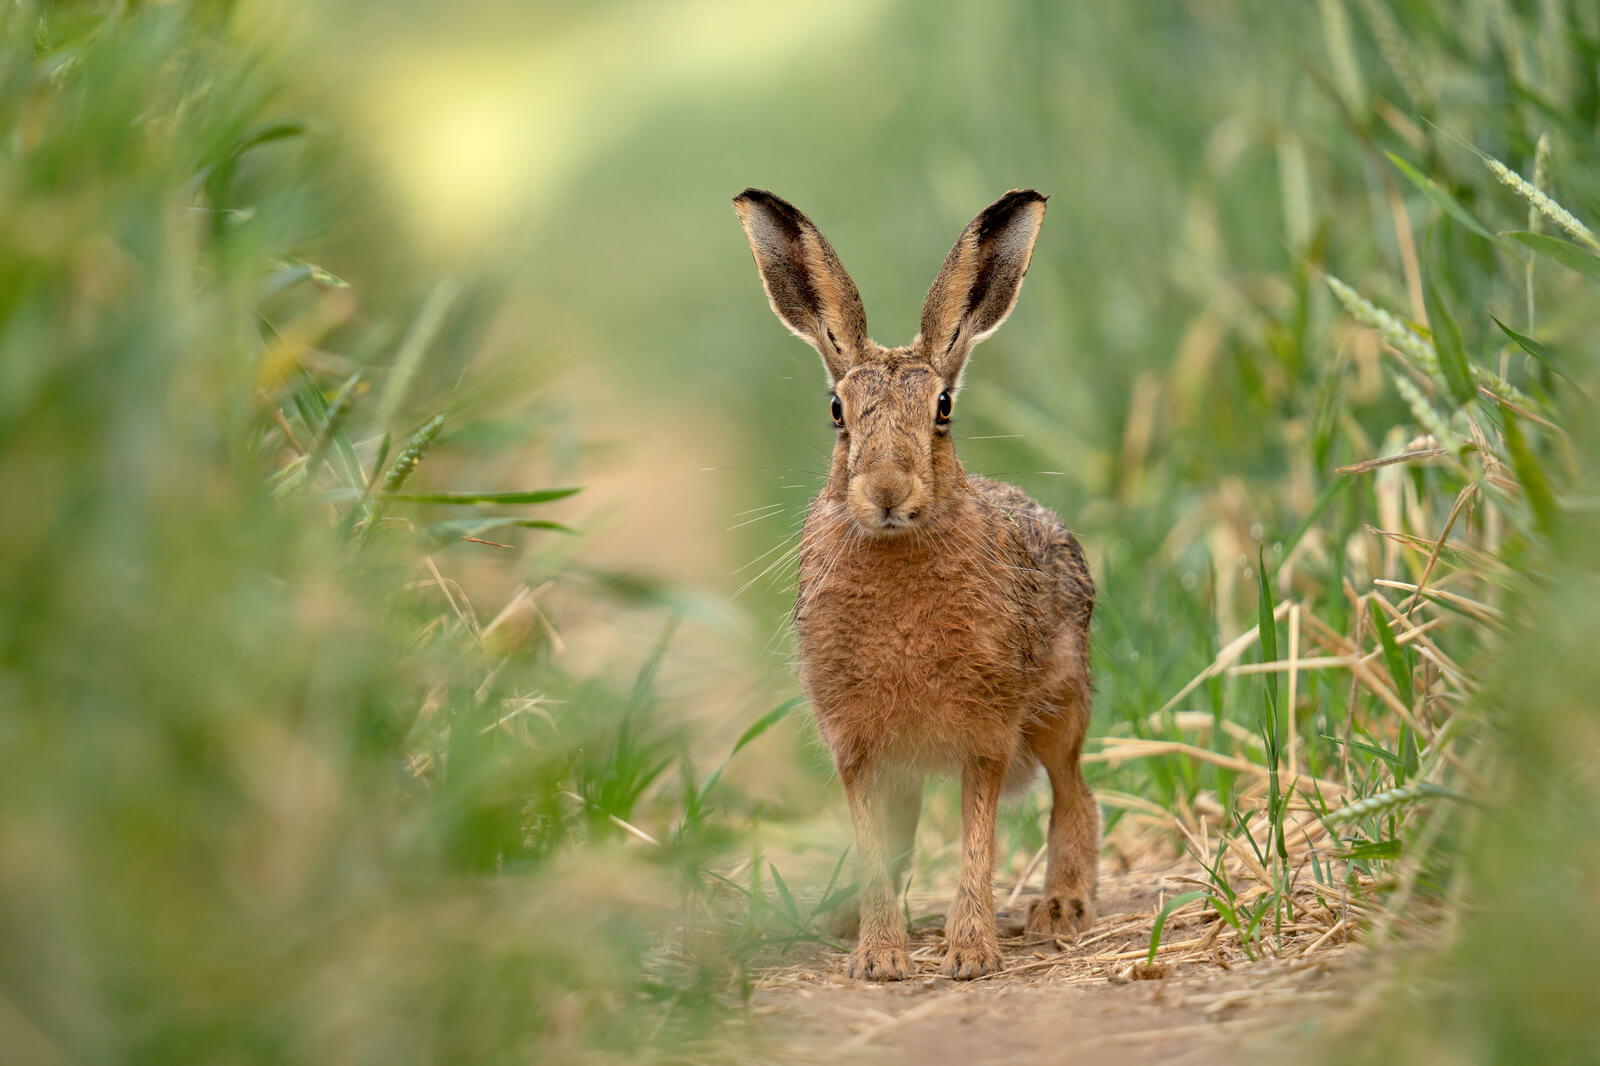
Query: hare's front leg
{"type": "Point", "coordinates": [882, 953]}
{"type": "Point", "coordinates": [903, 794]}
{"type": "Point", "coordinates": [974, 949]}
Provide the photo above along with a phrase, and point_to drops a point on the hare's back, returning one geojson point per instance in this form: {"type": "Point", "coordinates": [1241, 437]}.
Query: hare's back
{"type": "Point", "coordinates": [1055, 552]}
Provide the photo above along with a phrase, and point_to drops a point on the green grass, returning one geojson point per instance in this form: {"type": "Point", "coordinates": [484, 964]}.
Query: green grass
{"type": "Point", "coordinates": [296, 762]}
{"type": "Point", "coordinates": [273, 790]}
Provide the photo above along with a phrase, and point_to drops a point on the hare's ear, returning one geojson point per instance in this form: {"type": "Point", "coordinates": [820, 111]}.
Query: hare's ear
{"type": "Point", "coordinates": [805, 281]}
{"type": "Point", "coordinates": [979, 282]}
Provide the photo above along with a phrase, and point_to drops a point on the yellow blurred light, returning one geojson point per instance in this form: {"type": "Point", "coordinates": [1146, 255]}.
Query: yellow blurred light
{"type": "Point", "coordinates": [477, 123]}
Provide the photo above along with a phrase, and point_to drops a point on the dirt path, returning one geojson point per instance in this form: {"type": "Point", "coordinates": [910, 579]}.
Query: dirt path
{"type": "Point", "coordinates": [1089, 1002]}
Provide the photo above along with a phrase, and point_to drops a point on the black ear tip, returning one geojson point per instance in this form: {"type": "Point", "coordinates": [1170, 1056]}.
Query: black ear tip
{"type": "Point", "coordinates": [1006, 210]}
{"type": "Point", "coordinates": [1017, 197]}
{"type": "Point", "coordinates": [762, 196]}
{"type": "Point", "coordinates": [775, 210]}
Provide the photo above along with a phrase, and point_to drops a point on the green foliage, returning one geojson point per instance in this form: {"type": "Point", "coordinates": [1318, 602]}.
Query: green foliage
{"type": "Point", "coordinates": [269, 791]}
{"type": "Point", "coordinates": [1182, 899]}
{"type": "Point", "coordinates": [1447, 343]}
{"type": "Point", "coordinates": [1393, 657]}
{"type": "Point", "coordinates": [1440, 197]}
{"type": "Point", "coordinates": [1564, 252]}
{"type": "Point", "coordinates": [695, 806]}
{"type": "Point", "coordinates": [270, 787]}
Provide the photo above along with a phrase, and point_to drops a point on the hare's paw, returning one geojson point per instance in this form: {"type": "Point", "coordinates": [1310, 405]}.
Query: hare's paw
{"type": "Point", "coordinates": [973, 959]}
{"type": "Point", "coordinates": [879, 962]}
{"type": "Point", "coordinates": [1063, 916]}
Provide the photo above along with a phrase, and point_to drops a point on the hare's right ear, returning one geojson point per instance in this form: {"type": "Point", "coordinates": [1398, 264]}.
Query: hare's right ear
{"type": "Point", "coordinates": [805, 281]}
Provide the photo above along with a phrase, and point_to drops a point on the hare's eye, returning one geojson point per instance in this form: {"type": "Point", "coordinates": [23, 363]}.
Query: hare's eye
{"type": "Point", "coordinates": [837, 410]}
{"type": "Point", "coordinates": [945, 404]}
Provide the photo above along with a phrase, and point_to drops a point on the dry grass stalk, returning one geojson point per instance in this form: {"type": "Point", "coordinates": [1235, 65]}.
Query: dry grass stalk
{"type": "Point", "coordinates": [1022, 879]}
{"type": "Point", "coordinates": [1123, 748]}
{"type": "Point", "coordinates": [1403, 457]}
{"type": "Point", "coordinates": [1481, 612]}
{"type": "Point", "coordinates": [1225, 657]}
{"type": "Point", "coordinates": [1463, 498]}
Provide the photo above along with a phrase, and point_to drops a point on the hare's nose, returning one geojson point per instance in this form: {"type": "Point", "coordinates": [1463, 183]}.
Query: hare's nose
{"type": "Point", "coordinates": [887, 487]}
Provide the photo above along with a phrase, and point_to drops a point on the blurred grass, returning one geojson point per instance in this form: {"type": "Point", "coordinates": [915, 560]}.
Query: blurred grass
{"type": "Point", "coordinates": [272, 790]}
{"type": "Point", "coordinates": [280, 777]}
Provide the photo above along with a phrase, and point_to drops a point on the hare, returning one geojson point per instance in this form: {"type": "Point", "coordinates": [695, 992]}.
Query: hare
{"type": "Point", "coordinates": [942, 619]}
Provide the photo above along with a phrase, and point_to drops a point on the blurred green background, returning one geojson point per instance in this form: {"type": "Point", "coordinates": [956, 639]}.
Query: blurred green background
{"type": "Point", "coordinates": [290, 771]}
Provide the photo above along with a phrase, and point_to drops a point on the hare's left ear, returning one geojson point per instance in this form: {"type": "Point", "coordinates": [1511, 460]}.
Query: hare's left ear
{"type": "Point", "coordinates": [979, 282]}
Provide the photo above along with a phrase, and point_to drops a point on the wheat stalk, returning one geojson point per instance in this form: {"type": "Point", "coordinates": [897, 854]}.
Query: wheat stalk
{"type": "Point", "coordinates": [1541, 181]}
{"type": "Point", "coordinates": [1427, 417]}
{"type": "Point", "coordinates": [1397, 52]}
{"type": "Point", "coordinates": [1420, 351]}
{"type": "Point", "coordinates": [1545, 205]}
{"type": "Point", "coordinates": [1380, 804]}
{"type": "Point", "coordinates": [1396, 332]}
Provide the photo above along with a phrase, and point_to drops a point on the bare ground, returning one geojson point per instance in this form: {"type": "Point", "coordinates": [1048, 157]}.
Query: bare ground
{"type": "Point", "coordinates": [1094, 1001]}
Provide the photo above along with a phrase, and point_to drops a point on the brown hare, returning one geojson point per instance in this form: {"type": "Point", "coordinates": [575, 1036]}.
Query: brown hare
{"type": "Point", "coordinates": [943, 620]}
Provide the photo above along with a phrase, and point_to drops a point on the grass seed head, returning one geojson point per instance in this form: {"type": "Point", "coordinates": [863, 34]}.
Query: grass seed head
{"type": "Point", "coordinates": [1541, 202]}
{"type": "Point", "coordinates": [1541, 180]}
{"type": "Point", "coordinates": [419, 443]}
{"type": "Point", "coordinates": [1397, 333]}
{"type": "Point", "coordinates": [1427, 417]}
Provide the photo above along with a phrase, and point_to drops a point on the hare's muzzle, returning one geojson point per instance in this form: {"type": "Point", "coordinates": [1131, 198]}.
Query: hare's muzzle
{"type": "Point", "coordinates": [885, 499]}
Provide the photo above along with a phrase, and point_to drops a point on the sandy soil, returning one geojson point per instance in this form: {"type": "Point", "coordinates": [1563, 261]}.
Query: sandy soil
{"type": "Point", "coordinates": [1091, 1002]}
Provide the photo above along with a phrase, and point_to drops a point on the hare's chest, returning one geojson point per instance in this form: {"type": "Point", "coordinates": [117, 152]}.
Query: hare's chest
{"type": "Point", "coordinates": [929, 651]}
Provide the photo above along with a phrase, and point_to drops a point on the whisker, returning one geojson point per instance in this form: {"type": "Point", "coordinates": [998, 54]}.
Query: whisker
{"type": "Point", "coordinates": [762, 556]}
{"type": "Point", "coordinates": [782, 560]}
{"type": "Point", "coordinates": [763, 507]}
{"type": "Point", "coordinates": [753, 521]}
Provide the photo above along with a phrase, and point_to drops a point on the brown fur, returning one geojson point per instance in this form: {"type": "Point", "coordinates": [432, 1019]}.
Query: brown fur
{"type": "Point", "coordinates": [943, 620]}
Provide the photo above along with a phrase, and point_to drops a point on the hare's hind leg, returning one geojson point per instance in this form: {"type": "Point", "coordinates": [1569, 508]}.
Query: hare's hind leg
{"type": "Point", "coordinates": [969, 927]}
{"type": "Point", "coordinates": [882, 953]}
{"type": "Point", "coordinates": [1071, 873]}
{"type": "Point", "coordinates": [903, 797]}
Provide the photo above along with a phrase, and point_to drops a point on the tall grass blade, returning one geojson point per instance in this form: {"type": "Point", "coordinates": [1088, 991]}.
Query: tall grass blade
{"type": "Point", "coordinates": [408, 360]}
{"type": "Point", "coordinates": [1439, 197]}
{"type": "Point", "coordinates": [1329, 493]}
{"type": "Point", "coordinates": [1271, 731]}
{"type": "Point", "coordinates": [1540, 351]}
{"type": "Point", "coordinates": [1182, 899]}
{"type": "Point", "coordinates": [1447, 343]}
{"type": "Point", "coordinates": [377, 465]}
{"type": "Point", "coordinates": [463, 499]}
{"type": "Point", "coordinates": [1530, 473]}
{"type": "Point", "coordinates": [789, 908]}
{"type": "Point", "coordinates": [1566, 253]}
{"type": "Point", "coordinates": [1267, 623]}
{"type": "Point", "coordinates": [441, 533]}
{"type": "Point", "coordinates": [829, 900]}
{"type": "Point", "coordinates": [338, 411]}
{"type": "Point", "coordinates": [1393, 656]}
{"type": "Point", "coordinates": [758, 727]}
{"type": "Point", "coordinates": [267, 132]}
